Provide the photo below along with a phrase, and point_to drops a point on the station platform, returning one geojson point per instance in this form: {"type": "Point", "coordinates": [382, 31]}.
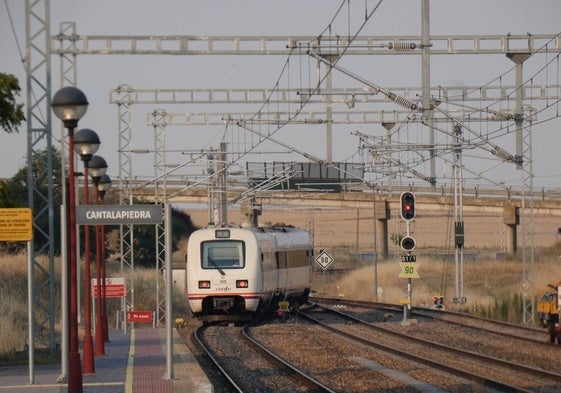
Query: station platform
{"type": "Point", "coordinates": [133, 363]}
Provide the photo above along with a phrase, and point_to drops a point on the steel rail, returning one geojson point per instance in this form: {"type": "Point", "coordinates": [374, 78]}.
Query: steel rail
{"type": "Point", "coordinates": [313, 384]}
{"type": "Point", "coordinates": [484, 381]}
{"type": "Point", "coordinates": [442, 315]}
{"type": "Point", "coordinates": [247, 335]}
{"type": "Point", "coordinates": [198, 340]}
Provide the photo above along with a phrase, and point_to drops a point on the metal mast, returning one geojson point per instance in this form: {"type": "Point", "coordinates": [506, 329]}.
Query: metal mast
{"type": "Point", "coordinates": [125, 193]}
{"type": "Point", "coordinates": [458, 217]}
{"type": "Point", "coordinates": [159, 123]}
{"type": "Point", "coordinates": [524, 164]}
{"type": "Point", "coordinates": [39, 174]}
{"type": "Point", "coordinates": [427, 113]}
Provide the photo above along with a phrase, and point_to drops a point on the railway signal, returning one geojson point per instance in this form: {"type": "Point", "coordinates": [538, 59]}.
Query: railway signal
{"type": "Point", "coordinates": [407, 205]}
{"type": "Point", "coordinates": [407, 243]}
{"type": "Point", "coordinates": [408, 265]}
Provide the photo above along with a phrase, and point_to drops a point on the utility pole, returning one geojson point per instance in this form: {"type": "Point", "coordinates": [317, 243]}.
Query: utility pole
{"type": "Point", "coordinates": [427, 113]}
{"type": "Point", "coordinates": [458, 217]}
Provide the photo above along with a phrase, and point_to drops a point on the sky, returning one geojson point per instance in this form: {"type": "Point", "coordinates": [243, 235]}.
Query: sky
{"type": "Point", "coordinates": [98, 74]}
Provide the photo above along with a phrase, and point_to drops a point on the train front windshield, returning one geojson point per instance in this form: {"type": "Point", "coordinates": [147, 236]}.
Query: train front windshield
{"type": "Point", "coordinates": [223, 254]}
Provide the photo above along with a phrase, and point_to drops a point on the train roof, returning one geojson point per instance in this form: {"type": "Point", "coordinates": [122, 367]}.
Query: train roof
{"type": "Point", "coordinates": [296, 235]}
{"type": "Point", "coordinates": [261, 228]}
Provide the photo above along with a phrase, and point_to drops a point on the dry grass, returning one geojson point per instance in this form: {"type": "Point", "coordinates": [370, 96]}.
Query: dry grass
{"type": "Point", "coordinates": [485, 282]}
{"type": "Point", "coordinates": [14, 304]}
{"type": "Point", "coordinates": [13, 308]}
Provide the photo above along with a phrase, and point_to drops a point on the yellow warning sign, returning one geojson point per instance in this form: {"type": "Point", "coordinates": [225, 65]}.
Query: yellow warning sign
{"type": "Point", "coordinates": [16, 224]}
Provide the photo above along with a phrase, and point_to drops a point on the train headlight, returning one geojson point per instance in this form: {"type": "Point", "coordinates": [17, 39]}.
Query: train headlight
{"type": "Point", "coordinates": [241, 284]}
{"type": "Point", "coordinates": [204, 284]}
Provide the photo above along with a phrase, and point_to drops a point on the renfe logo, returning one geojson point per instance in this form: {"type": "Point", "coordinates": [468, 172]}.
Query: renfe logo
{"type": "Point", "coordinates": [139, 316]}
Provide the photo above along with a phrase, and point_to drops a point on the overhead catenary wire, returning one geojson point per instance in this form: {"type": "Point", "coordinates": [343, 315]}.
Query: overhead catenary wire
{"type": "Point", "coordinates": [407, 104]}
{"type": "Point", "coordinates": [12, 26]}
{"type": "Point", "coordinates": [513, 68]}
{"type": "Point", "coordinates": [314, 90]}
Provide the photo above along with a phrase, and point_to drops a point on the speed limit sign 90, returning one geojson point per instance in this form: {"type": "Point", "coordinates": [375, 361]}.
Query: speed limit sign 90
{"type": "Point", "coordinates": [324, 259]}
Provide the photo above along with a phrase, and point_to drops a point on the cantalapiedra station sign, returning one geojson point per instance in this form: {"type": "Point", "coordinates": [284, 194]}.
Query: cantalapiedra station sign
{"type": "Point", "coordinates": [119, 214]}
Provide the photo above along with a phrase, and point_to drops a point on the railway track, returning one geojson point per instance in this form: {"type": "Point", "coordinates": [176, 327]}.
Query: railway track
{"type": "Point", "coordinates": [362, 347]}
{"type": "Point", "coordinates": [485, 325]}
{"type": "Point", "coordinates": [519, 332]}
{"type": "Point", "coordinates": [249, 366]}
{"type": "Point", "coordinates": [483, 369]}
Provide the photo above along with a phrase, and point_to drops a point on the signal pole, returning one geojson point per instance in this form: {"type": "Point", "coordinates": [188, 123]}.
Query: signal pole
{"type": "Point", "coordinates": [408, 260]}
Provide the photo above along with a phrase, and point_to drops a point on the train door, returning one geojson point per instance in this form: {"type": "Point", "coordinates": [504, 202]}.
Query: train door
{"type": "Point", "coordinates": [282, 263]}
{"type": "Point", "coordinates": [268, 264]}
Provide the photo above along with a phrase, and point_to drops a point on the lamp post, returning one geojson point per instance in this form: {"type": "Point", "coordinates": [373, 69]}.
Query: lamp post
{"type": "Point", "coordinates": [70, 104]}
{"type": "Point", "coordinates": [86, 143]}
{"type": "Point", "coordinates": [103, 186]}
{"type": "Point", "coordinates": [98, 167]}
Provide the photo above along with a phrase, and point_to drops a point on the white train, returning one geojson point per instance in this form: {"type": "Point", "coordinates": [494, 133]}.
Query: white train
{"type": "Point", "coordinates": [236, 273]}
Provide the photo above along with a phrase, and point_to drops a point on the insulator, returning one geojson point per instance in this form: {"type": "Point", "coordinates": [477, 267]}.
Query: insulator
{"type": "Point", "coordinates": [501, 153]}
{"type": "Point", "coordinates": [402, 45]}
{"type": "Point", "coordinates": [402, 101]}
{"type": "Point", "coordinates": [313, 121]}
{"type": "Point", "coordinates": [500, 115]}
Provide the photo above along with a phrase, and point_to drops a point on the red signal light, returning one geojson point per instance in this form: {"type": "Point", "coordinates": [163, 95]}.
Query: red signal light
{"type": "Point", "coordinates": [407, 205]}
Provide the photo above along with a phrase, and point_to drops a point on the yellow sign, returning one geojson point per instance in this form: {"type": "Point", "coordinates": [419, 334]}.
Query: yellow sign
{"type": "Point", "coordinates": [16, 225]}
{"type": "Point", "coordinates": [409, 270]}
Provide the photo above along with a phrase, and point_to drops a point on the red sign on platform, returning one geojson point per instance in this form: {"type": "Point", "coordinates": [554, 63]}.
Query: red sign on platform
{"type": "Point", "coordinates": [114, 287]}
{"type": "Point", "coordinates": [139, 316]}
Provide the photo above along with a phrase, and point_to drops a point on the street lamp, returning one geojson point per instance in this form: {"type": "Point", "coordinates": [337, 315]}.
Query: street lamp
{"type": "Point", "coordinates": [98, 167]}
{"type": "Point", "coordinates": [103, 186]}
{"type": "Point", "coordinates": [70, 104]}
{"type": "Point", "coordinates": [86, 143]}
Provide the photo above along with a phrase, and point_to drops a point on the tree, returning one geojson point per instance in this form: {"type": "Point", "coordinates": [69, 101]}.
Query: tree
{"type": "Point", "coordinates": [5, 200]}
{"type": "Point", "coordinates": [145, 237]}
{"type": "Point", "coordinates": [11, 112]}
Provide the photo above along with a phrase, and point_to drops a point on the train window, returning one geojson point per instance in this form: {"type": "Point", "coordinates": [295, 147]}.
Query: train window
{"type": "Point", "coordinates": [298, 258]}
{"type": "Point", "coordinates": [223, 254]}
{"type": "Point", "coordinates": [283, 259]}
